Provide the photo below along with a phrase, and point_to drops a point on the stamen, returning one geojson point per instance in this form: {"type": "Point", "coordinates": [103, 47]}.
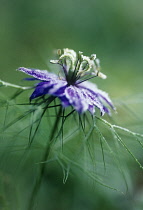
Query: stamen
{"type": "Point", "coordinates": [101, 75]}
{"type": "Point", "coordinates": [93, 57]}
{"type": "Point", "coordinates": [76, 66]}
{"type": "Point", "coordinates": [86, 79]}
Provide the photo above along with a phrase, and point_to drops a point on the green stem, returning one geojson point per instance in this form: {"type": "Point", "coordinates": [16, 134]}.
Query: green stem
{"type": "Point", "coordinates": [120, 128]}
{"type": "Point", "coordinates": [42, 166]}
{"type": "Point", "coordinates": [7, 84]}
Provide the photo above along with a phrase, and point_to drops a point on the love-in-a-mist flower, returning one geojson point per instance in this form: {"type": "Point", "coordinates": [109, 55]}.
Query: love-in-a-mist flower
{"type": "Point", "coordinates": [70, 85]}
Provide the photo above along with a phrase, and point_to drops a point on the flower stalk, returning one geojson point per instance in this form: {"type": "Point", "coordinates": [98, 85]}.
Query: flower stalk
{"type": "Point", "coordinates": [42, 164]}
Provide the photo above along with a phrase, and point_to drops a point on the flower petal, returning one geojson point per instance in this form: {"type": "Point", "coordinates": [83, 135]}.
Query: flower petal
{"type": "Point", "coordinates": [65, 101]}
{"type": "Point", "coordinates": [88, 85]}
{"type": "Point", "coordinates": [41, 89]}
{"type": "Point", "coordinates": [106, 110]}
{"type": "Point", "coordinates": [58, 88]}
{"type": "Point", "coordinates": [92, 100]}
{"type": "Point", "coordinates": [49, 87]}
{"type": "Point", "coordinates": [101, 95]}
{"type": "Point", "coordinates": [39, 74]}
{"type": "Point", "coordinates": [91, 108]}
{"type": "Point", "coordinates": [104, 96]}
{"type": "Point", "coordinates": [76, 98]}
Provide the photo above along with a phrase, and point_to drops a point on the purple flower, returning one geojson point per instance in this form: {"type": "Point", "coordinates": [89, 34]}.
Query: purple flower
{"type": "Point", "coordinates": [71, 85]}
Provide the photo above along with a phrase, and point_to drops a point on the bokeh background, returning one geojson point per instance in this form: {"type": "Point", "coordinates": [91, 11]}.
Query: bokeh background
{"type": "Point", "coordinates": [30, 31]}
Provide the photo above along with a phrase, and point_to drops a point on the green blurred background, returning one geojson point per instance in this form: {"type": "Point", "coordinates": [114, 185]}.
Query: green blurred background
{"type": "Point", "coordinates": [30, 31]}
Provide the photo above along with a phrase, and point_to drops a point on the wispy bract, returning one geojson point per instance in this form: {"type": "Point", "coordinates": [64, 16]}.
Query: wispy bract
{"type": "Point", "coordinates": [71, 85]}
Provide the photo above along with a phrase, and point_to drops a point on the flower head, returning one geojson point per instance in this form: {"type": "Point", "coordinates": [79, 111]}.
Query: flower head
{"type": "Point", "coordinates": [71, 85]}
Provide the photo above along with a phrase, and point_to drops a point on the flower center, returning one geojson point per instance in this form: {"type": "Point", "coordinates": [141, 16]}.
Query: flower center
{"type": "Point", "coordinates": [77, 68]}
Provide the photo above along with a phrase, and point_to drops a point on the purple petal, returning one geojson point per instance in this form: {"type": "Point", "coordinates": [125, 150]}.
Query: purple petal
{"type": "Point", "coordinates": [30, 79]}
{"type": "Point", "coordinates": [92, 99]}
{"type": "Point", "coordinates": [49, 87]}
{"type": "Point", "coordinates": [41, 89]}
{"type": "Point", "coordinates": [104, 96]}
{"type": "Point", "coordinates": [76, 98]}
{"type": "Point", "coordinates": [39, 74]}
{"type": "Point", "coordinates": [101, 95]}
{"type": "Point", "coordinates": [91, 108]}
{"type": "Point", "coordinates": [58, 88]}
{"type": "Point", "coordinates": [88, 85]}
{"type": "Point", "coordinates": [106, 110]}
{"type": "Point", "coordinates": [82, 99]}
{"type": "Point", "coordinates": [65, 101]}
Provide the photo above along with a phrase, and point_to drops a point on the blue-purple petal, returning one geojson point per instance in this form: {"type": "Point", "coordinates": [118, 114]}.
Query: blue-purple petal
{"type": "Point", "coordinates": [91, 109]}
{"type": "Point", "coordinates": [92, 100]}
{"type": "Point", "coordinates": [106, 110]}
{"type": "Point", "coordinates": [65, 101]}
{"type": "Point", "coordinates": [49, 87]}
{"type": "Point", "coordinates": [30, 79]}
{"type": "Point", "coordinates": [41, 89]}
{"type": "Point", "coordinates": [43, 75]}
{"type": "Point", "coordinates": [76, 98]}
{"type": "Point", "coordinates": [98, 96]}
{"type": "Point", "coordinates": [58, 88]}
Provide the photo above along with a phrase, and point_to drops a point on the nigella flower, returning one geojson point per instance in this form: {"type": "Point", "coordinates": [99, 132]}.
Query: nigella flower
{"type": "Point", "coordinates": [71, 85]}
